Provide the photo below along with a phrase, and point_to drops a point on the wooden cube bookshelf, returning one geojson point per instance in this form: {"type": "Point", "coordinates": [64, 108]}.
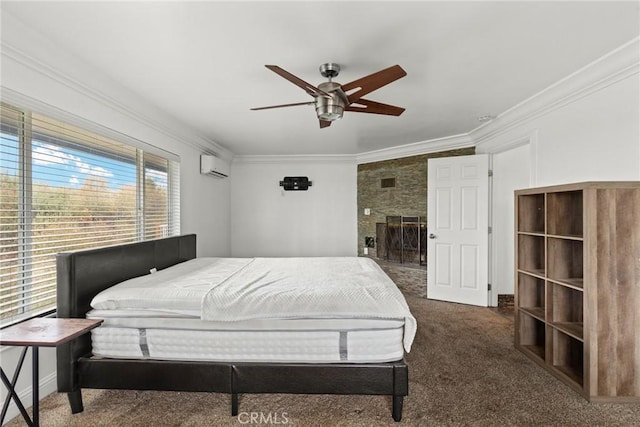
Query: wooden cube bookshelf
{"type": "Point", "coordinates": [577, 291]}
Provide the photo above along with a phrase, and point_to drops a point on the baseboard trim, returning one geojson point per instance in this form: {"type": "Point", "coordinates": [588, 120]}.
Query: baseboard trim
{"type": "Point", "coordinates": [48, 385]}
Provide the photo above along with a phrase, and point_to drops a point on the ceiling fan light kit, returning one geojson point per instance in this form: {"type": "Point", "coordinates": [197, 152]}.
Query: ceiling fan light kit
{"type": "Point", "coordinates": [332, 108]}
{"type": "Point", "coordinates": [331, 99]}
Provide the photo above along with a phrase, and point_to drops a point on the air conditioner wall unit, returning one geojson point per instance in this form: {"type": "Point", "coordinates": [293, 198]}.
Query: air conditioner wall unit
{"type": "Point", "coordinates": [215, 166]}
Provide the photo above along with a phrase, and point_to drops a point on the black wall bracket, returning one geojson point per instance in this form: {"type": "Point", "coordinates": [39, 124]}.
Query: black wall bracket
{"type": "Point", "coordinates": [295, 183]}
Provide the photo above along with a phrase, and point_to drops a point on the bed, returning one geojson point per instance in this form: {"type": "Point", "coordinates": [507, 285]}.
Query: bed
{"type": "Point", "coordinates": [342, 352]}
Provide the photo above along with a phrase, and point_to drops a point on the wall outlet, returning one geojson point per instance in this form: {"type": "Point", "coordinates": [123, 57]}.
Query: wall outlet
{"type": "Point", "coordinates": [366, 251]}
{"type": "Point", "coordinates": [367, 211]}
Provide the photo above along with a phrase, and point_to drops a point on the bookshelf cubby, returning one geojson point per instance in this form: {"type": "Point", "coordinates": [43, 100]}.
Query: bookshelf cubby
{"type": "Point", "coordinates": [568, 358]}
{"type": "Point", "coordinates": [576, 285]}
{"type": "Point", "coordinates": [565, 261]}
{"type": "Point", "coordinates": [564, 216]}
{"type": "Point", "coordinates": [565, 309]}
{"type": "Point", "coordinates": [531, 216]}
{"type": "Point", "coordinates": [532, 335]}
{"type": "Point", "coordinates": [532, 295]}
{"type": "Point", "coordinates": [531, 254]}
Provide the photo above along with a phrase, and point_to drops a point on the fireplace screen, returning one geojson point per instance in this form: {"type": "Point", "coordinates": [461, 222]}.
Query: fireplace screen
{"type": "Point", "coordinates": [402, 239]}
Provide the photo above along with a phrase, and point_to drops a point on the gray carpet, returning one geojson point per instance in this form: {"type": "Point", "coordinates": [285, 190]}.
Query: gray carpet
{"type": "Point", "coordinates": [463, 371]}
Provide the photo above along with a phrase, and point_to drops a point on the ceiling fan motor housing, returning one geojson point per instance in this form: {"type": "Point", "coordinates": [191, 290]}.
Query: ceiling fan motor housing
{"type": "Point", "coordinates": [330, 70]}
{"type": "Point", "coordinates": [330, 109]}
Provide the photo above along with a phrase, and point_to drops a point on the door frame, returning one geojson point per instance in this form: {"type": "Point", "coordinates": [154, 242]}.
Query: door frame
{"type": "Point", "coordinates": [530, 139]}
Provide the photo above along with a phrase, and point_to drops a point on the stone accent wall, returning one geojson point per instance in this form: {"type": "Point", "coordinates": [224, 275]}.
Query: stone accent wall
{"type": "Point", "coordinates": [408, 197]}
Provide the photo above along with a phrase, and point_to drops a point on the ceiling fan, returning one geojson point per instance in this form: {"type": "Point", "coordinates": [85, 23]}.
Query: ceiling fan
{"type": "Point", "coordinates": [332, 99]}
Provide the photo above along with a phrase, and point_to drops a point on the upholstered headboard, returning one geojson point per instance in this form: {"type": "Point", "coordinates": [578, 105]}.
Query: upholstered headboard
{"type": "Point", "coordinates": [81, 275]}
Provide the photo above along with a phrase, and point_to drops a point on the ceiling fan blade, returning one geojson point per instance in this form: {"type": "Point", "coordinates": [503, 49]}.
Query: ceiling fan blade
{"type": "Point", "coordinates": [310, 89]}
{"type": "Point", "coordinates": [372, 107]}
{"type": "Point", "coordinates": [324, 124]}
{"type": "Point", "coordinates": [372, 82]}
{"type": "Point", "coordinates": [283, 105]}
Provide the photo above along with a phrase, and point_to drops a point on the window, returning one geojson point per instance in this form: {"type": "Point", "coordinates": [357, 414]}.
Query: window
{"type": "Point", "coordinates": [67, 188]}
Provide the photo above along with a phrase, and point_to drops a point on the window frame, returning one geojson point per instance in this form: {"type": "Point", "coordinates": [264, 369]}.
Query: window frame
{"type": "Point", "coordinates": [25, 208]}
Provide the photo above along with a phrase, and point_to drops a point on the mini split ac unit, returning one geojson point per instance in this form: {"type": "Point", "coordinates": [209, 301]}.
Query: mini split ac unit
{"type": "Point", "coordinates": [212, 165]}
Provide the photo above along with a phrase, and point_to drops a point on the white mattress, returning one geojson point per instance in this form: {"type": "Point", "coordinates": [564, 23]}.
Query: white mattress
{"type": "Point", "coordinates": [269, 340]}
{"type": "Point", "coordinates": [314, 310]}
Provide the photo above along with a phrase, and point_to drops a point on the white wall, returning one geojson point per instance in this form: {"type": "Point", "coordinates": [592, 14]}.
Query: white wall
{"type": "Point", "coordinates": [585, 128]}
{"type": "Point", "coordinates": [268, 221]}
{"type": "Point", "coordinates": [36, 71]}
{"type": "Point", "coordinates": [595, 138]}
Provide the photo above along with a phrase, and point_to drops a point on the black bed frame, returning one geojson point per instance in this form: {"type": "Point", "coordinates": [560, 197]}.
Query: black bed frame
{"type": "Point", "coordinates": [83, 274]}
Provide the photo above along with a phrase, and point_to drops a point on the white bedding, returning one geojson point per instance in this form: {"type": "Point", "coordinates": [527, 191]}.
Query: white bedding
{"type": "Point", "coordinates": [346, 287]}
{"type": "Point", "coordinates": [178, 289]}
{"type": "Point", "coordinates": [259, 289]}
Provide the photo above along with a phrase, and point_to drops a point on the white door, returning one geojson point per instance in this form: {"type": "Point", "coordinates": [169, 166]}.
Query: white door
{"type": "Point", "coordinates": [458, 229]}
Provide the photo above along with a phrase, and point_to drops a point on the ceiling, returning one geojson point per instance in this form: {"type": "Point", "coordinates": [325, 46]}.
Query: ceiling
{"type": "Point", "coordinates": [203, 62]}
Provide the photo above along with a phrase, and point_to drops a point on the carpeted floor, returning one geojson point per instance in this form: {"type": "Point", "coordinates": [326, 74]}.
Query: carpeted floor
{"type": "Point", "coordinates": [463, 371]}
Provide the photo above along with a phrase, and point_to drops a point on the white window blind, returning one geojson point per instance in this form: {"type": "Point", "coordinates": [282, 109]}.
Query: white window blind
{"type": "Point", "coordinates": [66, 188]}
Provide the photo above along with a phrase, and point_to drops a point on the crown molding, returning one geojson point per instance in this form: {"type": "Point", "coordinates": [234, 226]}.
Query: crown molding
{"type": "Point", "coordinates": [297, 159]}
{"type": "Point", "coordinates": [166, 126]}
{"type": "Point", "coordinates": [615, 66]}
{"type": "Point", "coordinates": [611, 68]}
{"type": "Point", "coordinates": [417, 148]}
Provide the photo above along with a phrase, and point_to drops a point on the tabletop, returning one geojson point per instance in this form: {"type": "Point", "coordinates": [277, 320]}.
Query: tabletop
{"type": "Point", "coordinates": [46, 331]}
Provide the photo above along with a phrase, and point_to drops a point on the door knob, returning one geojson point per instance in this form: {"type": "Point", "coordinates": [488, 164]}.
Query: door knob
{"type": "Point", "coordinates": [432, 236]}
